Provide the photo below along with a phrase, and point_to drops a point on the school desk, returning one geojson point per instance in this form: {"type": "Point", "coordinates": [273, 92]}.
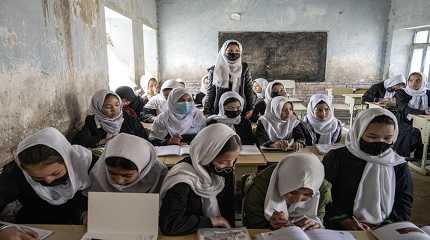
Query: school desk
{"type": "Point", "coordinates": [353, 100]}
{"type": "Point", "coordinates": [276, 156]}
{"type": "Point", "coordinates": [422, 122]}
{"type": "Point", "coordinates": [75, 232]}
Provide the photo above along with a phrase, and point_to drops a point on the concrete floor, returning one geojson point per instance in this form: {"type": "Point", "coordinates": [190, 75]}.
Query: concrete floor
{"type": "Point", "coordinates": [421, 205]}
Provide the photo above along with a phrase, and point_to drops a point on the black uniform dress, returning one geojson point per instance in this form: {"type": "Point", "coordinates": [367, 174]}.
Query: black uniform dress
{"type": "Point", "coordinates": [243, 129]}
{"type": "Point", "coordinates": [263, 139]}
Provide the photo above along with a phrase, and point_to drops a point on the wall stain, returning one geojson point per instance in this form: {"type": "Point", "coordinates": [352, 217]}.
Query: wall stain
{"type": "Point", "coordinates": [87, 10]}
{"type": "Point", "coordinates": [45, 8]}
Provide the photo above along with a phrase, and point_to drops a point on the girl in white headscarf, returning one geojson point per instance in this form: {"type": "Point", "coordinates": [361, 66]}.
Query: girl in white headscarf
{"type": "Point", "coordinates": [230, 109]}
{"type": "Point", "coordinates": [414, 99]}
{"type": "Point", "coordinates": [149, 88]}
{"type": "Point", "coordinates": [259, 87]}
{"type": "Point", "coordinates": [229, 74]}
{"type": "Point", "coordinates": [320, 121]}
{"type": "Point", "coordinates": [180, 123]}
{"type": "Point", "coordinates": [274, 89]}
{"type": "Point", "coordinates": [106, 120]}
{"type": "Point", "coordinates": [199, 99]}
{"type": "Point", "coordinates": [385, 89]}
{"type": "Point", "coordinates": [292, 194]}
{"type": "Point", "coordinates": [158, 103]}
{"type": "Point", "coordinates": [279, 127]}
{"type": "Point", "coordinates": [193, 193]}
{"type": "Point", "coordinates": [371, 183]}
{"type": "Point", "coordinates": [47, 178]}
{"type": "Point", "coordinates": [128, 164]}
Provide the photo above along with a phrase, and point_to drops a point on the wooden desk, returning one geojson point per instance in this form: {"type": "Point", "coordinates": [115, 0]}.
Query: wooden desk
{"type": "Point", "coordinates": [276, 156]}
{"type": "Point", "coordinates": [243, 160]}
{"type": "Point", "coordinates": [353, 100]}
{"type": "Point", "coordinates": [75, 232]}
{"type": "Point", "coordinates": [422, 122]}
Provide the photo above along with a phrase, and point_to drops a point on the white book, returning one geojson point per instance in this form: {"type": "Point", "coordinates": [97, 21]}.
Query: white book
{"type": "Point", "coordinates": [172, 150]}
{"type": "Point", "coordinates": [249, 150]}
{"type": "Point", "coordinates": [223, 234]}
{"type": "Point", "coordinates": [42, 233]}
{"type": "Point", "coordinates": [402, 231]}
{"type": "Point", "coordinates": [296, 233]}
{"type": "Point", "coordinates": [325, 148]}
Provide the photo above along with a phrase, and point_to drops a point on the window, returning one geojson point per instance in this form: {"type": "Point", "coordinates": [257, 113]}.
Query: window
{"type": "Point", "coordinates": [420, 52]}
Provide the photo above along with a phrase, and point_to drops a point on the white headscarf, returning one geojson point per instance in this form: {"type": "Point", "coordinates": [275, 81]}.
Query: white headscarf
{"type": "Point", "coordinates": [276, 128]}
{"type": "Point", "coordinates": [110, 125]}
{"type": "Point", "coordinates": [142, 154]}
{"type": "Point", "coordinates": [227, 71]}
{"type": "Point", "coordinates": [204, 85]}
{"type": "Point", "coordinates": [263, 84]}
{"type": "Point", "coordinates": [159, 102]}
{"type": "Point", "coordinates": [203, 150]}
{"type": "Point", "coordinates": [375, 195]}
{"type": "Point", "coordinates": [419, 97]}
{"type": "Point", "coordinates": [76, 158]}
{"type": "Point", "coordinates": [390, 82]}
{"type": "Point", "coordinates": [174, 123]}
{"type": "Point", "coordinates": [268, 92]}
{"type": "Point", "coordinates": [326, 128]}
{"type": "Point", "coordinates": [221, 117]}
{"type": "Point", "coordinates": [144, 82]}
{"type": "Point", "coordinates": [298, 170]}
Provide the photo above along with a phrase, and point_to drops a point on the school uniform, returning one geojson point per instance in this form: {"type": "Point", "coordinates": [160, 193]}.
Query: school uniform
{"type": "Point", "coordinates": [374, 189]}
{"type": "Point", "coordinates": [240, 124]}
{"type": "Point", "coordinates": [191, 194]}
{"type": "Point", "coordinates": [382, 89]}
{"type": "Point", "coordinates": [158, 103]}
{"type": "Point", "coordinates": [138, 151]}
{"type": "Point", "coordinates": [135, 108]}
{"type": "Point", "coordinates": [409, 104]}
{"type": "Point", "coordinates": [328, 131]}
{"type": "Point", "coordinates": [228, 76]}
{"type": "Point", "coordinates": [60, 204]}
{"type": "Point", "coordinates": [171, 122]}
{"type": "Point", "coordinates": [270, 127]}
{"type": "Point", "coordinates": [261, 198]}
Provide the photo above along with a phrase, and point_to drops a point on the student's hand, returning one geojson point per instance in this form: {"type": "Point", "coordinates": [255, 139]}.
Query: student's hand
{"type": "Point", "coordinates": [18, 234]}
{"type": "Point", "coordinates": [307, 224]}
{"type": "Point", "coordinates": [352, 225]}
{"type": "Point", "coordinates": [220, 222]}
{"type": "Point", "coordinates": [175, 140]}
{"type": "Point", "coordinates": [297, 146]}
{"type": "Point", "coordinates": [278, 220]}
{"type": "Point", "coordinates": [248, 114]}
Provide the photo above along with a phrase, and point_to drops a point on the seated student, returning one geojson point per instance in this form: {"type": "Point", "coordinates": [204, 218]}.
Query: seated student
{"type": "Point", "coordinates": [230, 109]}
{"type": "Point", "coordinates": [199, 99]}
{"type": "Point", "coordinates": [131, 104]}
{"type": "Point", "coordinates": [149, 88]}
{"type": "Point", "coordinates": [106, 121]}
{"type": "Point", "coordinates": [279, 125]}
{"type": "Point", "coordinates": [129, 164]}
{"type": "Point", "coordinates": [180, 123]}
{"type": "Point", "coordinates": [371, 184]}
{"type": "Point", "coordinates": [414, 99]}
{"type": "Point", "coordinates": [285, 192]}
{"type": "Point", "coordinates": [47, 178]}
{"type": "Point", "coordinates": [385, 89]}
{"type": "Point", "coordinates": [320, 122]}
{"type": "Point", "coordinates": [10, 232]}
{"type": "Point", "coordinates": [158, 103]}
{"type": "Point", "coordinates": [259, 88]}
{"type": "Point", "coordinates": [194, 193]}
{"type": "Point", "coordinates": [273, 89]}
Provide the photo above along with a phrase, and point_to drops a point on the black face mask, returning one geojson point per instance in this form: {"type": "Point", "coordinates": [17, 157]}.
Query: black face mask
{"type": "Point", "coordinates": [222, 172]}
{"type": "Point", "coordinates": [232, 114]}
{"type": "Point", "coordinates": [374, 148]}
{"type": "Point", "coordinates": [59, 181]}
{"type": "Point", "coordinates": [232, 56]}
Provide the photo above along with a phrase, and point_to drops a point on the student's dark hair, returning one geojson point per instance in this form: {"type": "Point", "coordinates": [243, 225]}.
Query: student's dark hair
{"type": "Point", "coordinates": [383, 119]}
{"type": "Point", "coordinates": [39, 154]}
{"type": "Point", "coordinates": [277, 84]}
{"type": "Point", "coordinates": [230, 100]}
{"type": "Point", "coordinates": [291, 104]}
{"type": "Point", "coordinates": [416, 74]}
{"type": "Point", "coordinates": [120, 162]}
{"type": "Point", "coordinates": [111, 95]}
{"type": "Point", "coordinates": [232, 144]}
{"type": "Point", "coordinates": [321, 102]}
{"type": "Point", "coordinates": [233, 43]}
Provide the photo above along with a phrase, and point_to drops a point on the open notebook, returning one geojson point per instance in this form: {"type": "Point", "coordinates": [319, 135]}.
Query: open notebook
{"type": "Point", "coordinates": [402, 231]}
{"type": "Point", "coordinates": [172, 150]}
{"type": "Point", "coordinates": [296, 233]}
{"type": "Point", "coordinates": [122, 216]}
{"type": "Point", "coordinates": [43, 234]}
{"type": "Point", "coordinates": [325, 148]}
{"type": "Point", "coordinates": [249, 150]}
{"type": "Point", "coordinates": [223, 234]}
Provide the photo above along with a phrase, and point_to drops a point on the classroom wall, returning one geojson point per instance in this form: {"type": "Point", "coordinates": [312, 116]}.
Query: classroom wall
{"type": "Point", "coordinates": [403, 16]}
{"type": "Point", "coordinates": [356, 33]}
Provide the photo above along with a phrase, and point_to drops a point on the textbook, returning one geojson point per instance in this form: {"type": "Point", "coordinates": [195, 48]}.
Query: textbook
{"type": "Point", "coordinates": [172, 150]}
{"type": "Point", "coordinates": [223, 234]}
{"type": "Point", "coordinates": [325, 148]}
{"type": "Point", "coordinates": [42, 233]}
{"type": "Point", "coordinates": [296, 233]}
{"type": "Point", "coordinates": [402, 231]}
{"type": "Point", "coordinates": [249, 150]}
{"type": "Point", "coordinates": [289, 148]}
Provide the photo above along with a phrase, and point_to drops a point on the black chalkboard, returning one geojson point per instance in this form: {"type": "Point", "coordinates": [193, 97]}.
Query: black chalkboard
{"type": "Point", "coordinates": [299, 56]}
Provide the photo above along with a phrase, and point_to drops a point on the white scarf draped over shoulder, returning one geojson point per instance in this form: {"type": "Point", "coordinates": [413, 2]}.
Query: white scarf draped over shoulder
{"type": "Point", "coordinates": [203, 150]}
{"type": "Point", "coordinates": [263, 84]}
{"type": "Point", "coordinates": [375, 195]}
{"type": "Point", "coordinates": [138, 151]}
{"type": "Point", "coordinates": [159, 102]}
{"type": "Point", "coordinates": [77, 160]}
{"type": "Point", "coordinates": [268, 91]}
{"type": "Point", "coordinates": [298, 170]}
{"type": "Point", "coordinates": [390, 82]}
{"type": "Point", "coordinates": [276, 128]}
{"type": "Point", "coordinates": [225, 71]}
{"type": "Point", "coordinates": [419, 98]}
{"type": "Point", "coordinates": [111, 125]}
{"type": "Point", "coordinates": [221, 117]}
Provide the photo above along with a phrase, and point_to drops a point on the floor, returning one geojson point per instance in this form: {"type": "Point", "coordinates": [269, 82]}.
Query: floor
{"type": "Point", "coordinates": [421, 205]}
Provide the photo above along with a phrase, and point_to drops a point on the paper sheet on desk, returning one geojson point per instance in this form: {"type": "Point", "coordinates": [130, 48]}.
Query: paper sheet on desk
{"type": "Point", "coordinates": [42, 233]}
{"type": "Point", "coordinates": [249, 150]}
{"type": "Point", "coordinates": [325, 148]}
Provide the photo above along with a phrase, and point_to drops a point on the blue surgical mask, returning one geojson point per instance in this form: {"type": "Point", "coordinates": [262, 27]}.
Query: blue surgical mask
{"type": "Point", "coordinates": [184, 107]}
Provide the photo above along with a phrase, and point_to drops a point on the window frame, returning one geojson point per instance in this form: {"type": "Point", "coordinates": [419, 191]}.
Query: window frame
{"type": "Point", "coordinates": [423, 46]}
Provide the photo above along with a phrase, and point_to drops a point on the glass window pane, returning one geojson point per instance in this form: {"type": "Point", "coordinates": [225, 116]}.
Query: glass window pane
{"type": "Point", "coordinates": [421, 37]}
{"type": "Point", "coordinates": [417, 57]}
{"type": "Point", "coordinates": [427, 62]}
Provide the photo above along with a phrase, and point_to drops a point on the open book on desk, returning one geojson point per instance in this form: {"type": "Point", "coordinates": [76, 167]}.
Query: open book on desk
{"type": "Point", "coordinates": [223, 234]}
{"type": "Point", "coordinates": [42, 233]}
{"type": "Point", "coordinates": [172, 150]}
{"type": "Point", "coordinates": [296, 233]}
{"type": "Point", "coordinates": [249, 150]}
{"type": "Point", "coordinates": [402, 231]}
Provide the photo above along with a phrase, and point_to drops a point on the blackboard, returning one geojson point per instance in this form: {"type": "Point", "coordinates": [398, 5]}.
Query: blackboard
{"type": "Point", "coordinates": [299, 56]}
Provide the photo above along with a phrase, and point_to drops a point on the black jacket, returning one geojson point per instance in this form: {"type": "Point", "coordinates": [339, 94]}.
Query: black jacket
{"type": "Point", "coordinates": [402, 101]}
{"type": "Point", "coordinates": [259, 109]}
{"type": "Point", "coordinates": [214, 93]}
{"type": "Point", "coordinates": [374, 92]}
{"type": "Point", "coordinates": [181, 210]}
{"type": "Point", "coordinates": [264, 140]}
{"type": "Point", "coordinates": [243, 129]}
{"type": "Point", "coordinates": [344, 171]}
{"type": "Point", "coordinates": [90, 135]}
